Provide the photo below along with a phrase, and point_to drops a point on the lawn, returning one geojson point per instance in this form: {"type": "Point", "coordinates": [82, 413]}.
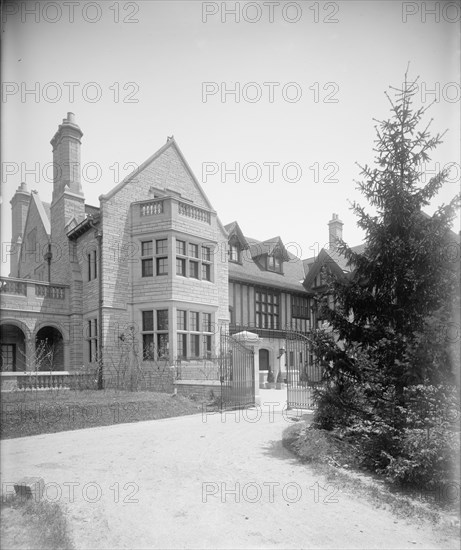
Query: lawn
{"type": "Point", "coordinates": [38, 412]}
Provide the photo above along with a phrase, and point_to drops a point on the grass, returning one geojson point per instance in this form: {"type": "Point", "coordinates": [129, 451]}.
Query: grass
{"type": "Point", "coordinates": [39, 412]}
{"type": "Point", "coordinates": [339, 463]}
{"type": "Point", "coordinates": [29, 524]}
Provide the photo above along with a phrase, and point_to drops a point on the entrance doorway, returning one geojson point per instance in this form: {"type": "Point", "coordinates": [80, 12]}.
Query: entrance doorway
{"type": "Point", "coordinates": [263, 359]}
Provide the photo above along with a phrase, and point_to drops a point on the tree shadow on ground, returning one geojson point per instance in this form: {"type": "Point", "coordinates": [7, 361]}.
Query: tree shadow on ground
{"type": "Point", "coordinates": [275, 449]}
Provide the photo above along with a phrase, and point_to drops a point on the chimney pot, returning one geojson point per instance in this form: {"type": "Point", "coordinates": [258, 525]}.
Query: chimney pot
{"type": "Point", "coordinates": [335, 226]}
{"type": "Point", "coordinates": [71, 117]}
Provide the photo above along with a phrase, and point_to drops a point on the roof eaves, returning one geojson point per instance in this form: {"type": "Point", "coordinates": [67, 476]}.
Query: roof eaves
{"type": "Point", "coordinates": [84, 226]}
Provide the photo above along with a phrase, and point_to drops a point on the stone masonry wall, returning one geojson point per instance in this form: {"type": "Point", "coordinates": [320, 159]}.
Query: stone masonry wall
{"type": "Point", "coordinates": [126, 293]}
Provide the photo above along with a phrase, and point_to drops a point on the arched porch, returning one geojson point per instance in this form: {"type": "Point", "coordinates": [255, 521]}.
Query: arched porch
{"type": "Point", "coordinates": [49, 349]}
{"type": "Point", "coordinates": [13, 348]}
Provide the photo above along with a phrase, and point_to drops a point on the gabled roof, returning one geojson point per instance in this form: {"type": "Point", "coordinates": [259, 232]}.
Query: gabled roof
{"type": "Point", "coordinates": [250, 271]}
{"type": "Point", "coordinates": [339, 259]}
{"type": "Point", "coordinates": [233, 229]}
{"type": "Point", "coordinates": [170, 143]}
{"type": "Point", "coordinates": [271, 247]}
{"type": "Point", "coordinates": [325, 258]}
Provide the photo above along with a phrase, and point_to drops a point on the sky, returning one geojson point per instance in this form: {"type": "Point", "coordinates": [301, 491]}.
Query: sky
{"type": "Point", "coordinates": [280, 96]}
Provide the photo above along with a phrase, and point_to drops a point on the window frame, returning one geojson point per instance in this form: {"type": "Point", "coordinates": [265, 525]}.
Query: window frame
{"type": "Point", "coordinates": [277, 262]}
{"type": "Point", "coordinates": [154, 257]}
{"type": "Point", "coordinates": [7, 347]}
{"type": "Point", "coordinates": [152, 333]}
{"type": "Point", "coordinates": [194, 336]}
{"type": "Point", "coordinates": [267, 308]}
{"type": "Point", "coordinates": [300, 307]}
{"type": "Point", "coordinates": [92, 339]}
{"type": "Point", "coordinates": [235, 247]}
{"type": "Point", "coordinates": [92, 259]}
{"type": "Point", "coordinates": [193, 260]}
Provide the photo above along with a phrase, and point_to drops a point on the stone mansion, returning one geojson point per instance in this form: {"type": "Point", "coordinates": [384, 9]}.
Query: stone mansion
{"type": "Point", "coordinates": [152, 260]}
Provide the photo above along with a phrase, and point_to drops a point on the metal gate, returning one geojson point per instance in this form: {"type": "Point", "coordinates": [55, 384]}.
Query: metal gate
{"type": "Point", "coordinates": [303, 372]}
{"type": "Point", "coordinates": [236, 369]}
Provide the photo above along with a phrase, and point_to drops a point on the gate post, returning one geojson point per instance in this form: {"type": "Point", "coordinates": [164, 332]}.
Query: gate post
{"type": "Point", "coordinates": [255, 349]}
{"type": "Point", "coordinates": [252, 341]}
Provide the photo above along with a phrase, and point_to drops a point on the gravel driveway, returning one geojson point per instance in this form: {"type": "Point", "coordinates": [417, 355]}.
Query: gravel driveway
{"type": "Point", "coordinates": [199, 482]}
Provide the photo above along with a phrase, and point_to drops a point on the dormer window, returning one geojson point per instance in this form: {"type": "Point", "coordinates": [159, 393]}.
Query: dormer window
{"type": "Point", "coordinates": [237, 243]}
{"type": "Point", "coordinates": [234, 253]}
{"type": "Point", "coordinates": [274, 264]}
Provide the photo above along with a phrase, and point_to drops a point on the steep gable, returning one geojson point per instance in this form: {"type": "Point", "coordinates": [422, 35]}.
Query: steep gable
{"type": "Point", "coordinates": [250, 270]}
{"type": "Point", "coordinates": [167, 169]}
{"type": "Point", "coordinates": [236, 235]}
{"type": "Point", "coordinates": [270, 247]}
{"type": "Point", "coordinates": [37, 233]}
{"type": "Point", "coordinates": [323, 260]}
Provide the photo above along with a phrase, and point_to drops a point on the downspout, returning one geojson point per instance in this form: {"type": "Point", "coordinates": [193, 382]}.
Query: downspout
{"type": "Point", "coordinates": [48, 257]}
{"type": "Point", "coordinates": [100, 331]}
{"type": "Point", "coordinates": [98, 236]}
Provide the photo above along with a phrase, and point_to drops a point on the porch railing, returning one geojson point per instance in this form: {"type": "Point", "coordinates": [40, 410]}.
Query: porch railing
{"type": "Point", "coordinates": [24, 287]}
{"type": "Point", "coordinates": [50, 291]}
{"type": "Point", "coordinates": [151, 208]}
{"type": "Point", "coordinates": [194, 212]}
{"type": "Point", "coordinates": [10, 286]}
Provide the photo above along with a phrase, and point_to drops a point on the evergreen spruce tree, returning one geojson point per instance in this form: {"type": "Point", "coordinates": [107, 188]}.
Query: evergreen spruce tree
{"type": "Point", "coordinates": [405, 282]}
{"type": "Point", "coordinates": [389, 350]}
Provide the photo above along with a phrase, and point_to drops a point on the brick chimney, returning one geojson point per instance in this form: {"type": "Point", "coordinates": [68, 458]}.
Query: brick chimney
{"type": "Point", "coordinates": [66, 158]}
{"type": "Point", "coordinates": [19, 208]}
{"type": "Point", "coordinates": [335, 232]}
{"type": "Point", "coordinates": [68, 202]}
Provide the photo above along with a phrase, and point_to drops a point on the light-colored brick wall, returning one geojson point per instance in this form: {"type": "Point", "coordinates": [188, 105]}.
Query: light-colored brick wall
{"type": "Point", "coordinates": [126, 292]}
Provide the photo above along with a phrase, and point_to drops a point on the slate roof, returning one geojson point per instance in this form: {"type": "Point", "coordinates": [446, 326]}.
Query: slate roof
{"type": "Point", "coordinates": [91, 210]}
{"type": "Point", "coordinates": [250, 271]}
{"type": "Point", "coordinates": [339, 259]}
{"type": "Point", "coordinates": [43, 213]}
{"type": "Point", "coordinates": [269, 247]}
{"type": "Point", "coordinates": [47, 208]}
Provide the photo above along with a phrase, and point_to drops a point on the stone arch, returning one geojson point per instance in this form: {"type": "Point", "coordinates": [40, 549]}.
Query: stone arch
{"type": "Point", "coordinates": [20, 324]}
{"type": "Point", "coordinates": [57, 326]}
{"type": "Point", "coordinates": [49, 349]}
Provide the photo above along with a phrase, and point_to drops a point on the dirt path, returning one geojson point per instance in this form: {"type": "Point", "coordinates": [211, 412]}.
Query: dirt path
{"type": "Point", "coordinates": [189, 483]}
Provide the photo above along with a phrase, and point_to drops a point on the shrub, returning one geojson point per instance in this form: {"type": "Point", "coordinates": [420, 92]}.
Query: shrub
{"type": "Point", "coordinates": [428, 446]}
{"type": "Point", "coordinates": [414, 444]}
{"type": "Point", "coordinates": [336, 406]}
{"type": "Point", "coordinates": [425, 457]}
{"type": "Point", "coordinates": [411, 438]}
{"type": "Point", "coordinates": [270, 377]}
{"type": "Point", "coordinates": [372, 437]}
